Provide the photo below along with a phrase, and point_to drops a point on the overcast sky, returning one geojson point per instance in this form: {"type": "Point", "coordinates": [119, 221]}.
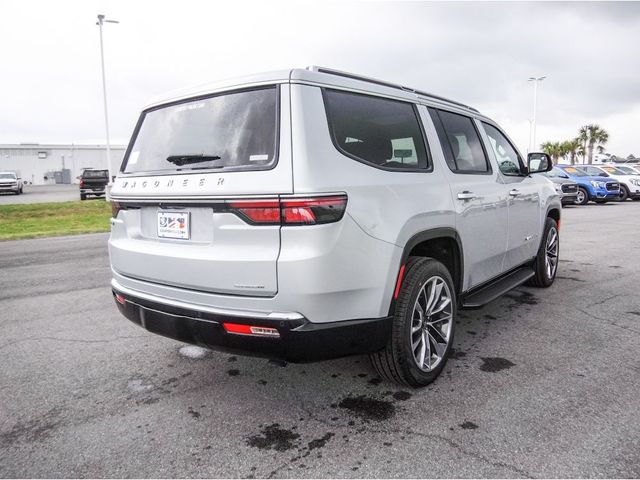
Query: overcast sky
{"type": "Point", "coordinates": [477, 53]}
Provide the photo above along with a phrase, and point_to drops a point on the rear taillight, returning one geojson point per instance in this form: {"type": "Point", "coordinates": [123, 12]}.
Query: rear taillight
{"type": "Point", "coordinates": [81, 182]}
{"type": "Point", "coordinates": [313, 210]}
{"type": "Point", "coordinates": [291, 211]}
{"type": "Point", "coordinates": [258, 331]}
{"type": "Point", "coordinates": [263, 212]}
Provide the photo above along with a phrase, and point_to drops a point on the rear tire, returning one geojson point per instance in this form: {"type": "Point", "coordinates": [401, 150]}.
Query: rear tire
{"type": "Point", "coordinates": [624, 193]}
{"type": "Point", "coordinates": [83, 196]}
{"type": "Point", "coordinates": [601, 201]}
{"type": "Point", "coordinates": [423, 325]}
{"type": "Point", "coordinates": [545, 264]}
{"type": "Point", "coordinates": [583, 196]}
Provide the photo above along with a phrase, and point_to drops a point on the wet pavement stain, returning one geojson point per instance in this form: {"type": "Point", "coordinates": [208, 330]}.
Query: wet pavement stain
{"type": "Point", "coordinates": [368, 408]}
{"type": "Point", "coordinates": [457, 354]}
{"type": "Point", "coordinates": [273, 437]}
{"type": "Point", "coordinates": [378, 381]}
{"type": "Point", "coordinates": [495, 364]}
{"type": "Point", "coordinates": [523, 297]}
{"type": "Point", "coordinates": [490, 317]}
{"type": "Point", "coordinates": [402, 395]}
{"type": "Point", "coordinates": [467, 425]}
{"type": "Point", "coordinates": [233, 372]}
{"type": "Point", "coordinates": [232, 359]}
{"type": "Point", "coordinates": [573, 279]}
{"type": "Point", "coordinates": [634, 313]}
{"type": "Point", "coordinates": [194, 413]}
{"type": "Point", "coordinates": [320, 442]}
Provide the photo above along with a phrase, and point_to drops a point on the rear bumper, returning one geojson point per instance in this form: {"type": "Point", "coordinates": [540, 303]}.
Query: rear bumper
{"type": "Point", "coordinates": [299, 340]}
{"type": "Point", "coordinates": [91, 191]}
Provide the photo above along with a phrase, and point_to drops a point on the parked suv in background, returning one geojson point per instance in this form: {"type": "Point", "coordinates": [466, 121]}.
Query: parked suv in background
{"type": "Point", "coordinates": [311, 213]}
{"type": "Point", "coordinates": [629, 183]}
{"type": "Point", "coordinates": [10, 182]}
{"type": "Point", "coordinates": [598, 189]}
{"type": "Point", "coordinates": [93, 182]}
{"type": "Point", "coordinates": [566, 188]}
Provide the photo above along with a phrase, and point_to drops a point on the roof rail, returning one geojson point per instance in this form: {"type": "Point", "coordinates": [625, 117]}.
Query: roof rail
{"type": "Point", "coordinates": [354, 76]}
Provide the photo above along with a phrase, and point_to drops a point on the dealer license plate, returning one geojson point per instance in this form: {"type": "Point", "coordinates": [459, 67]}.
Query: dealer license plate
{"type": "Point", "coordinates": [173, 225]}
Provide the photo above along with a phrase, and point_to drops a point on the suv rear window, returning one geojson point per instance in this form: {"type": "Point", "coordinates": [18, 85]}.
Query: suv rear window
{"type": "Point", "coordinates": [377, 131]}
{"type": "Point", "coordinates": [230, 131]}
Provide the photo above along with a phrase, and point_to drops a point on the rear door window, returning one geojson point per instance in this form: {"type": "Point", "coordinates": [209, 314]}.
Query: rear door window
{"type": "Point", "coordinates": [229, 131]}
{"type": "Point", "coordinates": [460, 142]}
{"type": "Point", "coordinates": [377, 131]}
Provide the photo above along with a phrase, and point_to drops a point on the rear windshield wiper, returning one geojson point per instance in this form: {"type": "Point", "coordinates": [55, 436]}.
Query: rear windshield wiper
{"type": "Point", "coordinates": [208, 167]}
{"type": "Point", "coordinates": [189, 159]}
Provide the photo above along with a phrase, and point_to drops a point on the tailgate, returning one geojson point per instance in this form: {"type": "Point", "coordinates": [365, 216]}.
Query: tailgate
{"type": "Point", "coordinates": [176, 226]}
{"type": "Point", "coordinates": [222, 254]}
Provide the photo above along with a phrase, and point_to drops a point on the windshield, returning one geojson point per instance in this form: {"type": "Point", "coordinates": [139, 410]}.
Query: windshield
{"type": "Point", "coordinates": [575, 172]}
{"type": "Point", "coordinates": [613, 171]}
{"type": "Point", "coordinates": [232, 131]}
{"type": "Point", "coordinates": [11, 176]}
{"type": "Point", "coordinates": [556, 172]}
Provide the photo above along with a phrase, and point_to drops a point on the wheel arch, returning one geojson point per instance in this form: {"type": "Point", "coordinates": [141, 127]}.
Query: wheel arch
{"type": "Point", "coordinates": [443, 244]}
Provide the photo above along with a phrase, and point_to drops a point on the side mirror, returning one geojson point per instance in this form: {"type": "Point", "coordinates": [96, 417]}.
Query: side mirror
{"type": "Point", "coordinates": [539, 162]}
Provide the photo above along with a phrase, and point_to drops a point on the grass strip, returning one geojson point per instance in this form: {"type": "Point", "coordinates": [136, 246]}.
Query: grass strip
{"type": "Point", "coordinates": [54, 219]}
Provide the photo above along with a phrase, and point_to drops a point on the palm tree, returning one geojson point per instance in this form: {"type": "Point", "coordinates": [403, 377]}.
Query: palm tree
{"type": "Point", "coordinates": [574, 148]}
{"type": "Point", "coordinates": [553, 149]}
{"type": "Point", "coordinates": [590, 136]}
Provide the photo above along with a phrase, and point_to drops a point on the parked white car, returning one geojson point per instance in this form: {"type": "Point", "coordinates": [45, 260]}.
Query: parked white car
{"type": "Point", "coordinates": [10, 182]}
{"type": "Point", "coordinates": [629, 184]}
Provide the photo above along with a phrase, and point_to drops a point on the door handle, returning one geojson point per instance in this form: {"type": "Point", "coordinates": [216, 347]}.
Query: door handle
{"type": "Point", "coordinates": [514, 192]}
{"type": "Point", "coordinates": [466, 195]}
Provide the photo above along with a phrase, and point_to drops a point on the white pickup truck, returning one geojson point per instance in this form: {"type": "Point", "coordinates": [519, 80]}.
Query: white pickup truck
{"type": "Point", "coordinates": [10, 182]}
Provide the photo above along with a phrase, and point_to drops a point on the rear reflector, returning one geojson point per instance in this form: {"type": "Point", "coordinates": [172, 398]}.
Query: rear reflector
{"type": "Point", "coordinates": [399, 282]}
{"type": "Point", "coordinates": [241, 329]}
{"type": "Point", "coordinates": [120, 299]}
{"type": "Point", "coordinates": [290, 211]}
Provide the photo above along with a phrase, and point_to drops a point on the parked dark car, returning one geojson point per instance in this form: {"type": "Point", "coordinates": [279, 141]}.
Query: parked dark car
{"type": "Point", "coordinates": [93, 182]}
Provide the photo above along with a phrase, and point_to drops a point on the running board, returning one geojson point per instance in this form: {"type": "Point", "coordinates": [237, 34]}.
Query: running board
{"type": "Point", "coordinates": [497, 288]}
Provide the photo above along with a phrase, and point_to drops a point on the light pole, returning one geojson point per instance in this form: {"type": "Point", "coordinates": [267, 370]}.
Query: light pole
{"type": "Point", "coordinates": [102, 19]}
{"type": "Point", "coordinates": [532, 134]}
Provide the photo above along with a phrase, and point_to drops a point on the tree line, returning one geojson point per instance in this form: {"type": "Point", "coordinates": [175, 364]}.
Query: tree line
{"type": "Point", "coordinates": [590, 137]}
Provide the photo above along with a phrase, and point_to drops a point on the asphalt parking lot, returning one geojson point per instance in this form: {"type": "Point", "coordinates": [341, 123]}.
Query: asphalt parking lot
{"type": "Point", "coordinates": [42, 194]}
{"type": "Point", "coordinates": [543, 383]}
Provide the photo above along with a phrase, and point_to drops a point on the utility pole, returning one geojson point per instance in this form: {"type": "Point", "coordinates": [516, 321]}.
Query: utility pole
{"type": "Point", "coordinates": [100, 22]}
{"type": "Point", "coordinates": [532, 133]}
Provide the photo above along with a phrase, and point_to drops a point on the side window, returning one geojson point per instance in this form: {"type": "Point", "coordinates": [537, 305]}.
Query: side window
{"type": "Point", "coordinates": [508, 159]}
{"type": "Point", "coordinates": [460, 142]}
{"type": "Point", "coordinates": [377, 131]}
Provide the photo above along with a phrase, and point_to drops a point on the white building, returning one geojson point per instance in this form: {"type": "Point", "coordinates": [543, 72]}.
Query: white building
{"type": "Point", "coordinates": [41, 164]}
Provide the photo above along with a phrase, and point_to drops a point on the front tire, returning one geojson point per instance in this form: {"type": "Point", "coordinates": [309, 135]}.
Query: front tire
{"type": "Point", "coordinates": [423, 325]}
{"type": "Point", "coordinates": [583, 196]}
{"type": "Point", "coordinates": [624, 193]}
{"type": "Point", "coordinates": [545, 264]}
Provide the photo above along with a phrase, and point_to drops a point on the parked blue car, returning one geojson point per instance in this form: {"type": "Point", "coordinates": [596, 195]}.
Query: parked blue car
{"type": "Point", "coordinates": [591, 188]}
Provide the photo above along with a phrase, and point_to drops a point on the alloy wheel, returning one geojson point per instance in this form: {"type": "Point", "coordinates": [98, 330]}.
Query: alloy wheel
{"type": "Point", "coordinates": [551, 252]}
{"type": "Point", "coordinates": [431, 323]}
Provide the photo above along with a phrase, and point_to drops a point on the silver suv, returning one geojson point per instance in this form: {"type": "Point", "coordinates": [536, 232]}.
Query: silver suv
{"type": "Point", "coordinates": [311, 213]}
